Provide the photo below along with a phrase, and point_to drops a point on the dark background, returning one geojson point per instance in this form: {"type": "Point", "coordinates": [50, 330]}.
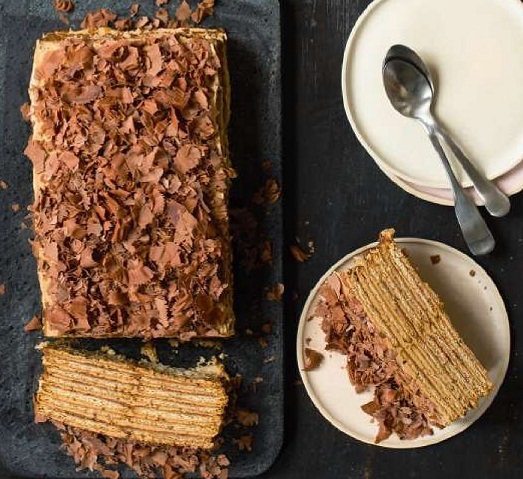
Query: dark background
{"type": "Point", "coordinates": [336, 195]}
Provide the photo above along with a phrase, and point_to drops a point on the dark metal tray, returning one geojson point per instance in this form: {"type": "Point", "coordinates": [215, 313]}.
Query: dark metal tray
{"type": "Point", "coordinates": [32, 450]}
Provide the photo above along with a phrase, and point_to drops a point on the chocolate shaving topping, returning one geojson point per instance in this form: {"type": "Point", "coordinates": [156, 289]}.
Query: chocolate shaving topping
{"type": "Point", "coordinates": [34, 324]}
{"type": "Point", "coordinates": [130, 212]}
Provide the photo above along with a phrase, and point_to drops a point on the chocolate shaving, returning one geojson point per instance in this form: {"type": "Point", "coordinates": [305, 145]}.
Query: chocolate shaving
{"type": "Point", "coordinates": [64, 6]}
{"type": "Point", "coordinates": [183, 12]}
{"type": "Point", "coordinates": [101, 453]}
{"type": "Point", "coordinates": [275, 293]}
{"type": "Point", "coordinates": [99, 18]}
{"type": "Point", "coordinates": [298, 254]}
{"type": "Point", "coordinates": [312, 359]}
{"type": "Point", "coordinates": [2, 289]}
{"type": "Point", "coordinates": [244, 442]}
{"type": "Point", "coordinates": [3, 185]}
{"type": "Point", "coordinates": [34, 324]}
{"type": "Point", "coordinates": [15, 207]}
{"type": "Point", "coordinates": [204, 9]}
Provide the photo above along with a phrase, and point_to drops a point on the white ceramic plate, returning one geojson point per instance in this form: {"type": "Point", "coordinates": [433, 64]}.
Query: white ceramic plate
{"type": "Point", "coordinates": [478, 81]}
{"type": "Point", "coordinates": [510, 183]}
{"type": "Point", "coordinates": [477, 312]}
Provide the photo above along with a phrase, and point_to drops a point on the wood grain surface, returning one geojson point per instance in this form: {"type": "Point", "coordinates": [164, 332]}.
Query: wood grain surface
{"type": "Point", "coordinates": [336, 196]}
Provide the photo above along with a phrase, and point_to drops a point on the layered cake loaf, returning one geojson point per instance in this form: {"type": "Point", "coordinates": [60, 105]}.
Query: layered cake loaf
{"type": "Point", "coordinates": [131, 180]}
{"type": "Point", "coordinates": [393, 329]}
{"type": "Point", "coordinates": [146, 403]}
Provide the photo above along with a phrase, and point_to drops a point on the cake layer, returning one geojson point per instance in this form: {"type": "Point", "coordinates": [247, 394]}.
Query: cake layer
{"type": "Point", "coordinates": [131, 180]}
{"type": "Point", "coordinates": [122, 399]}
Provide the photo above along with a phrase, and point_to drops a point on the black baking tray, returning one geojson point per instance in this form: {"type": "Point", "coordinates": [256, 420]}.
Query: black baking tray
{"type": "Point", "coordinates": [29, 450]}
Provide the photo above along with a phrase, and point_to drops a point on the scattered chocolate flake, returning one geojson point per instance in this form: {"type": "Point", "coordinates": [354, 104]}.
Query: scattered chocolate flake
{"type": "Point", "coordinates": [159, 3]}
{"type": "Point", "coordinates": [34, 324]}
{"type": "Point", "coordinates": [263, 342]}
{"type": "Point", "coordinates": [23, 226]}
{"type": "Point", "coordinates": [472, 273]}
{"type": "Point", "coordinates": [3, 185]}
{"type": "Point", "coordinates": [183, 12]}
{"type": "Point", "coordinates": [270, 359]}
{"type": "Point", "coordinates": [312, 248]}
{"type": "Point", "coordinates": [162, 14]}
{"type": "Point", "coordinates": [298, 254]}
{"type": "Point", "coordinates": [204, 9]}
{"type": "Point", "coordinates": [268, 194]}
{"type": "Point", "coordinates": [15, 207]}
{"type": "Point", "coordinates": [63, 6]}
{"type": "Point", "coordinates": [435, 259]}
{"type": "Point", "coordinates": [244, 442]}
{"type": "Point", "coordinates": [248, 332]}
{"type": "Point", "coordinates": [133, 10]}
{"type": "Point", "coordinates": [247, 418]}
{"type": "Point", "coordinates": [97, 19]}
{"type": "Point", "coordinates": [2, 288]}
{"type": "Point", "coordinates": [313, 359]}
{"type": "Point", "coordinates": [275, 293]}
{"type": "Point", "coordinates": [100, 453]}
{"type": "Point", "coordinates": [253, 387]}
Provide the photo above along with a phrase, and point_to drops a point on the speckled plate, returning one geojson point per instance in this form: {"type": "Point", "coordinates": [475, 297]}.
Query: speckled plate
{"type": "Point", "coordinates": [477, 312]}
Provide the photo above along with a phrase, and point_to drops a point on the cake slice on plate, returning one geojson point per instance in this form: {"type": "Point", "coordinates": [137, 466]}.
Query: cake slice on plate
{"type": "Point", "coordinates": [397, 337]}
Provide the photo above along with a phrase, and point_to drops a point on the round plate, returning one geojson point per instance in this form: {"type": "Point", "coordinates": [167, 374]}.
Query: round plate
{"type": "Point", "coordinates": [477, 312]}
{"type": "Point", "coordinates": [478, 83]}
{"type": "Point", "coordinates": [510, 183]}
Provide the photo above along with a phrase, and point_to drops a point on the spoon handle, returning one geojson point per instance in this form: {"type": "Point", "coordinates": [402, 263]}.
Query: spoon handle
{"type": "Point", "coordinates": [496, 202]}
{"type": "Point", "coordinates": [475, 231]}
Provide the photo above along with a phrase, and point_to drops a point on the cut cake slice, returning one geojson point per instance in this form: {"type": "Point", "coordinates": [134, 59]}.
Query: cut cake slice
{"type": "Point", "coordinates": [394, 330]}
{"type": "Point", "coordinates": [148, 403]}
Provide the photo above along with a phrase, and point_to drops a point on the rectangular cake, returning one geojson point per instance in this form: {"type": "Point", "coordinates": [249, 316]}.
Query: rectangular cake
{"type": "Point", "coordinates": [393, 329]}
{"type": "Point", "coordinates": [131, 179]}
{"type": "Point", "coordinates": [148, 403]}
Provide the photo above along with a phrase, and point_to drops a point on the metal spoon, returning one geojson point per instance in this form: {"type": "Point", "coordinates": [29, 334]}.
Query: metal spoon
{"type": "Point", "coordinates": [411, 94]}
{"type": "Point", "coordinates": [496, 202]}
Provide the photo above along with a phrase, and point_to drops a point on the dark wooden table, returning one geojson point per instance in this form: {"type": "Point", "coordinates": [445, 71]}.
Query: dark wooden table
{"type": "Point", "coordinates": [336, 195]}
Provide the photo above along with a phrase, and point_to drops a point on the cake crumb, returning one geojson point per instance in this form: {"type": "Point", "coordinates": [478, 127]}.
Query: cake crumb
{"type": "Point", "coordinates": [270, 359]}
{"type": "Point", "coordinates": [313, 359]}
{"type": "Point", "coordinates": [2, 288]}
{"type": "Point", "coordinates": [435, 259]}
{"type": "Point", "coordinates": [159, 3]}
{"type": "Point", "coordinates": [3, 185]}
{"type": "Point", "coordinates": [148, 351]}
{"type": "Point", "coordinates": [263, 342]}
{"type": "Point", "coordinates": [244, 442]}
{"type": "Point", "coordinates": [15, 207]}
{"type": "Point", "coordinates": [472, 273]}
{"type": "Point", "coordinates": [247, 418]}
{"type": "Point", "coordinates": [34, 324]}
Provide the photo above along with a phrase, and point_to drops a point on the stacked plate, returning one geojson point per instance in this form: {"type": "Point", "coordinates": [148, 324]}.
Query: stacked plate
{"type": "Point", "coordinates": [474, 49]}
